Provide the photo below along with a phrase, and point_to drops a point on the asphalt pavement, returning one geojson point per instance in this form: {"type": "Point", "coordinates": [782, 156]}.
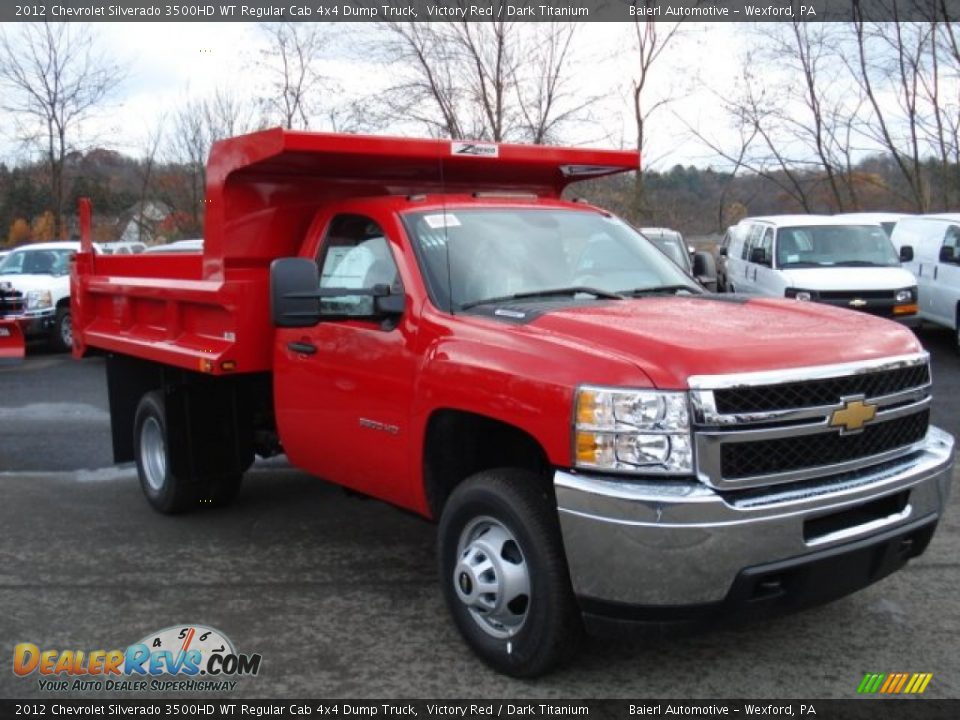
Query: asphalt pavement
{"type": "Point", "coordinates": [340, 596]}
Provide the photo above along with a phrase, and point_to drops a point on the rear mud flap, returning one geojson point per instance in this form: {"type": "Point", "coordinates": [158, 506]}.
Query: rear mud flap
{"type": "Point", "coordinates": [12, 346]}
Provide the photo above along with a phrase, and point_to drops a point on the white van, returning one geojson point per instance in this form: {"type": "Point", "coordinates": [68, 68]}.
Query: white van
{"type": "Point", "coordinates": [830, 259]}
{"type": "Point", "coordinates": [935, 244]}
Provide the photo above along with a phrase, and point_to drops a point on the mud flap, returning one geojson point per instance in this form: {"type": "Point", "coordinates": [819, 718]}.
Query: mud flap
{"type": "Point", "coordinates": [12, 346]}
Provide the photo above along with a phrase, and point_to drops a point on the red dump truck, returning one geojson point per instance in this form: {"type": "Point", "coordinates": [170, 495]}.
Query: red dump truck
{"type": "Point", "coordinates": [600, 441]}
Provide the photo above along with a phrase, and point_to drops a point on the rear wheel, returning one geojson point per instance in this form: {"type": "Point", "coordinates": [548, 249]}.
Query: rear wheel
{"type": "Point", "coordinates": [166, 492]}
{"type": "Point", "coordinates": [61, 336]}
{"type": "Point", "coordinates": [504, 573]}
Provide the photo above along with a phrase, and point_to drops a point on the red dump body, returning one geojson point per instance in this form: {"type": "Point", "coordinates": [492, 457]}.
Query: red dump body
{"type": "Point", "coordinates": [210, 312]}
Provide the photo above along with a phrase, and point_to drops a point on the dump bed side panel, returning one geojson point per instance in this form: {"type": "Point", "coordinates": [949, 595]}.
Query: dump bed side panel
{"type": "Point", "coordinates": [160, 308]}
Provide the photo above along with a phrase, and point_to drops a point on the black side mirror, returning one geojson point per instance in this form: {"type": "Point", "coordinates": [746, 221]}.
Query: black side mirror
{"type": "Point", "coordinates": [388, 304]}
{"type": "Point", "coordinates": [723, 252]}
{"type": "Point", "coordinates": [704, 267]}
{"type": "Point", "coordinates": [293, 287]}
{"type": "Point", "coordinates": [759, 256]}
{"type": "Point", "coordinates": [947, 254]}
{"type": "Point", "coordinates": [906, 253]}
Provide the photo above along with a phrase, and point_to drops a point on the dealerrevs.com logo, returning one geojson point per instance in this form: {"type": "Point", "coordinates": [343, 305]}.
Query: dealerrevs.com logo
{"type": "Point", "coordinates": [185, 657]}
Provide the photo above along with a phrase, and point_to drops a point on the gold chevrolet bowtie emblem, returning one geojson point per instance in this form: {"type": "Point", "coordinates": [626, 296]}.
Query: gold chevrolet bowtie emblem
{"type": "Point", "coordinates": [853, 416]}
{"type": "Point", "coordinates": [857, 302]}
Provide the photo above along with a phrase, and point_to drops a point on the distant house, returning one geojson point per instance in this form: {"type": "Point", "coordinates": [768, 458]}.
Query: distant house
{"type": "Point", "coordinates": [141, 221]}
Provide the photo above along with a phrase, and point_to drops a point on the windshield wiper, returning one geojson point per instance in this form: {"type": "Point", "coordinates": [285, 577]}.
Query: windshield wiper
{"type": "Point", "coordinates": [859, 263]}
{"type": "Point", "coordinates": [553, 292]}
{"type": "Point", "coordinates": [660, 289]}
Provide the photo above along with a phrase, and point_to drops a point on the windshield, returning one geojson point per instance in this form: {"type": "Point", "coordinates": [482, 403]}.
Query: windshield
{"type": "Point", "coordinates": [499, 253]}
{"type": "Point", "coordinates": [37, 262]}
{"type": "Point", "coordinates": [835, 245]}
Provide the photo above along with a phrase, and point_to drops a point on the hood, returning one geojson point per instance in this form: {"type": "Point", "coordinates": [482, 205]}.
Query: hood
{"type": "Point", "coordinates": [672, 338]}
{"type": "Point", "coordinates": [850, 278]}
{"type": "Point", "coordinates": [26, 283]}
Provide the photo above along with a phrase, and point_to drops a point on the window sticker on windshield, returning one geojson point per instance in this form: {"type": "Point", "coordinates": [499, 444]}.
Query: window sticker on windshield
{"type": "Point", "coordinates": [441, 221]}
{"type": "Point", "coordinates": [793, 258]}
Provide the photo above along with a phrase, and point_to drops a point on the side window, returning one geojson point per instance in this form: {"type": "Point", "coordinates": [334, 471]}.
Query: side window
{"type": "Point", "coordinates": [751, 238]}
{"type": "Point", "coordinates": [355, 254]}
{"type": "Point", "coordinates": [767, 244]}
{"type": "Point", "coordinates": [951, 239]}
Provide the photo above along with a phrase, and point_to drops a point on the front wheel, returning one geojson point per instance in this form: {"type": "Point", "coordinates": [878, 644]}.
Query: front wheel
{"type": "Point", "coordinates": [61, 336]}
{"type": "Point", "coordinates": [504, 574]}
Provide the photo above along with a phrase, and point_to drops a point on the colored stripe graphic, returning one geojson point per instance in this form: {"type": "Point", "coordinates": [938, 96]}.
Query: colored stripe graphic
{"type": "Point", "coordinates": [894, 683]}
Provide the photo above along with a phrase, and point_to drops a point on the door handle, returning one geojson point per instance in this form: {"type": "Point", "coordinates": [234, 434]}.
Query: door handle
{"type": "Point", "coordinates": [935, 269]}
{"type": "Point", "coordinates": [304, 348]}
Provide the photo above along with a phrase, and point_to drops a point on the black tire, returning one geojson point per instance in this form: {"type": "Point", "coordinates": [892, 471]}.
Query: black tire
{"type": "Point", "coordinates": [165, 491]}
{"type": "Point", "coordinates": [551, 629]}
{"type": "Point", "coordinates": [61, 335]}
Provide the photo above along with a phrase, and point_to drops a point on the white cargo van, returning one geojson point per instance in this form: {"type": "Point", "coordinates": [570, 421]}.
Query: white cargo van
{"type": "Point", "coordinates": [935, 244]}
{"type": "Point", "coordinates": [829, 259]}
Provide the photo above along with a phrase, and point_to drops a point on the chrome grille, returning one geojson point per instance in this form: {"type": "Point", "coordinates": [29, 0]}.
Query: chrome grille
{"type": "Point", "coordinates": [820, 392]}
{"type": "Point", "coordinates": [766, 428]}
{"type": "Point", "coordinates": [11, 301]}
{"type": "Point", "coordinates": [764, 457]}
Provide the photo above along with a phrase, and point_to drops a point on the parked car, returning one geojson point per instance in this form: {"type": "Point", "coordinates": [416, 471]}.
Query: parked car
{"type": "Point", "coordinates": [886, 220]}
{"type": "Point", "coordinates": [42, 273]}
{"type": "Point", "coordinates": [122, 247]}
{"type": "Point", "coordinates": [599, 440]}
{"type": "Point", "coordinates": [699, 265]}
{"type": "Point", "coordinates": [828, 259]}
{"type": "Point", "coordinates": [193, 245]}
{"type": "Point", "coordinates": [722, 253]}
{"type": "Point", "coordinates": [935, 244]}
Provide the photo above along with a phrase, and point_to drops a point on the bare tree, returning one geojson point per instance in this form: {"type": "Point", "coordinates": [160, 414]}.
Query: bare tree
{"type": "Point", "coordinates": [546, 104]}
{"type": "Point", "coordinates": [53, 80]}
{"type": "Point", "coordinates": [494, 81]}
{"type": "Point", "coordinates": [196, 125]}
{"type": "Point", "coordinates": [651, 39]}
{"type": "Point", "coordinates": [146, 168]}
{"type": "Point", "coordinates": [290, 61]}
{"type": "Point", "coordinates": [889, 56]}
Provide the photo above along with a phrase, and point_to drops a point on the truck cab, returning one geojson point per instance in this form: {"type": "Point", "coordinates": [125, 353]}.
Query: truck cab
{"type": "Point", "coordinates": [599, 441]}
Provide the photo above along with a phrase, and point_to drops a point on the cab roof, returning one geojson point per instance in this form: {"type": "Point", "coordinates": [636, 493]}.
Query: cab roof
{"type": "Point", "coordinates": [808, 220]}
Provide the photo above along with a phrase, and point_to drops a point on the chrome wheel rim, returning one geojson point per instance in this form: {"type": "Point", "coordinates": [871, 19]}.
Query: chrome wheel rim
{"type": "Point", "coordinates": [66, 330]}
{"type": "Point", "coordinates": [153, 453]}
{"type": "Point", "coordinates": [492, 577]}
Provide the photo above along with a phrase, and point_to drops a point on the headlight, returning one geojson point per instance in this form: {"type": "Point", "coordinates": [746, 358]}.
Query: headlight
{"type": "Point", "coordinates": [905, 296]}
{"type": "Point", "coordinates": [39, 299]}
{"type": "Point", "coordinates": [642, 431]}
{"type": "Point", "coordinates": [802, 295]}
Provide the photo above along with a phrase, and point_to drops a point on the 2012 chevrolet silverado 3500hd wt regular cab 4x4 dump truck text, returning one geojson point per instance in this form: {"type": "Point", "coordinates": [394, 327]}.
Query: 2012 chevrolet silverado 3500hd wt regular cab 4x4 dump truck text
{"type": "Point", "coordinates": [428, 323]}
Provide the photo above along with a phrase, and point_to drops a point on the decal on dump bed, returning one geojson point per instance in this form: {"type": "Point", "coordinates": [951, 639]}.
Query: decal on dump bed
{"type": "Point", "coordinates": [478, 149]}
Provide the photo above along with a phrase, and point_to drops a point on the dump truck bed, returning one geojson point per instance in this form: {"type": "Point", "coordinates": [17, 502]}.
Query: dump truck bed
{"type": "Point", "coordinates": [210, 312]}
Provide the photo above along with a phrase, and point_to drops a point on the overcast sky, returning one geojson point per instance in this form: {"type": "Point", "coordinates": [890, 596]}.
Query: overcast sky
{"type": "Point", "coordinates": [169, 62]}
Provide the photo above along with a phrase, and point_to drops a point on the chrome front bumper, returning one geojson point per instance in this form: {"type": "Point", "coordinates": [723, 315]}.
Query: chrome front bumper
{"type": "Point", "coordinates": [37, 322]}
{"type": "Point", "coordinates": [671, 543]}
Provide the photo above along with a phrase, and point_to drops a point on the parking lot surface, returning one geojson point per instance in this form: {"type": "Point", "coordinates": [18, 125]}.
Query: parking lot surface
{"type": "Point", "coordinates": [340, 596]}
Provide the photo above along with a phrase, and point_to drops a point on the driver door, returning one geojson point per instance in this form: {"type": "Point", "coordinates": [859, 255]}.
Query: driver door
{"type": "Point", "coordinates": [344, 387]}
